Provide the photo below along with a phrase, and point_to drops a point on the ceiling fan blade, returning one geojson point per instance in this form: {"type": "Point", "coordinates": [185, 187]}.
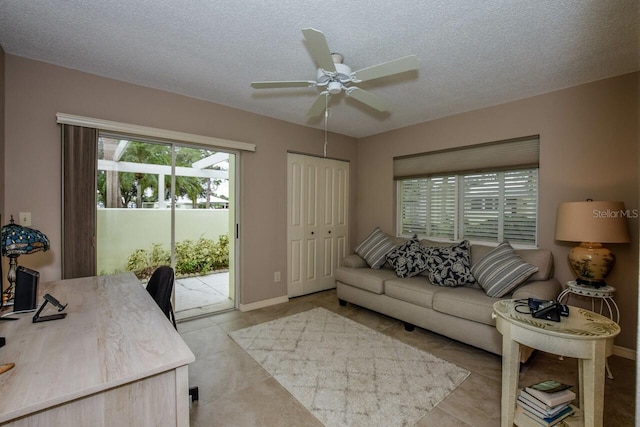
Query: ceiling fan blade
{"type": "Point", "coordinates": [319, 105]}
{"type": "Point", "coordinates": [396, 66]}
{"type": "Point", "coordinates": [368, 98]}
{"type": "Point", "coordinates": [283, 84]}
{"type": "Point", "coordinates": [319, 49]}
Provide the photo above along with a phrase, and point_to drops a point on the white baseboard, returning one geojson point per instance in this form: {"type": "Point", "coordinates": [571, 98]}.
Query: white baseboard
{"type": "Point", "coordinates": [627, 353]}
{"type": "Point", "coordinates": [264, 303]}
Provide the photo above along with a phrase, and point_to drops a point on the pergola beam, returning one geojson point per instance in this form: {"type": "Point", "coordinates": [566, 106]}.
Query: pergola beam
{"type": "Point", "coordinates": [211, 160]}
{"type": "Point", "coordinates": [120, 149]}
{"type": "Point", "coordinates": [110, 165]}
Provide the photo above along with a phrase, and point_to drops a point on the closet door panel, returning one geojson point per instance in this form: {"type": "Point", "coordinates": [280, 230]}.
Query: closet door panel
{"type": "Point", "coordinates": [318, 222]}
{"type": "Point", "coordinates": [296, 222]}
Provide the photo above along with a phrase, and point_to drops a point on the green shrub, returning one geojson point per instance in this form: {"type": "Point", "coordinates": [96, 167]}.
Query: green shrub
{"type": "Point", "coordinates": [200, 257]}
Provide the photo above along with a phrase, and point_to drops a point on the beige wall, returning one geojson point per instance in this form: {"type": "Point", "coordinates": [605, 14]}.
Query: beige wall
{"type": "Point", "coordinates": [36, 91]}
{"type": "Point", "coordinates": [588, 149]}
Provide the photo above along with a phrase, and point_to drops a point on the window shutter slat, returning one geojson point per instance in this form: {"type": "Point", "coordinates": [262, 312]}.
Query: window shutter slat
{"type": "Point", "coordinates": [443, 206]}
{"type": "Point", "coordinates": [481, 193]}
{"type": "Point", "coordinates": [521, 206]}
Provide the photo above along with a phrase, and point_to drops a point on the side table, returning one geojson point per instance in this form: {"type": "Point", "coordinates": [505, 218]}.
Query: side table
{"type": "Point", "coordinates": [603, 293]}
{"type": "Point", "coordinates": [584, 335]}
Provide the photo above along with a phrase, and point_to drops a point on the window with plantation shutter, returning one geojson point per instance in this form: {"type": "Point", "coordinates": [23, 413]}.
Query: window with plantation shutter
{"type": "Point", "coordinates": [521, 206]}
{"type": "Point", "coordinates": [493, 204]}
{"type": "Point", "coordinates": [413, 205]}
{"type": "Point", "coordinates": [481, 207]}
{"type": "Point", "coordinates": [428, 206]}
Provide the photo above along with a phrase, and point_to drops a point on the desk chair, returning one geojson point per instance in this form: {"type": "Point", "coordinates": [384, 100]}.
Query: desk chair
{"type": "Point", "coordinates": [160, 286]}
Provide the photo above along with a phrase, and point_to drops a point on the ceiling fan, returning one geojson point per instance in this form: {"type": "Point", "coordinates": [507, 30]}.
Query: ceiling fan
{"type": "Point", "coordinates": [335, 76]}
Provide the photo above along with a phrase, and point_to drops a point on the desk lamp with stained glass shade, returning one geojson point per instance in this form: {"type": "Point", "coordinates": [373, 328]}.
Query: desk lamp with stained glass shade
{"type": "Point", "coordinates": [18, 240]}
{"type": "Point", "coordinates": [592, 223]}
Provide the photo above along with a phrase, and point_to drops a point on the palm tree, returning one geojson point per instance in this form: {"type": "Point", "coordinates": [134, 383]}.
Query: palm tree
{"type": "Point", "coordinates": [147, 153]}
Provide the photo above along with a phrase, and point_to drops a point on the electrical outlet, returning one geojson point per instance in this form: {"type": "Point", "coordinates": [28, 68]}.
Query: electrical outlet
{"type": "Point", "coordinates": [25, 219]}
{"type": "Point", "coordinates": [276, 277]}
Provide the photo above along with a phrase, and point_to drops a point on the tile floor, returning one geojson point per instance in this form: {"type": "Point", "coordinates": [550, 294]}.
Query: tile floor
{"type": "Point", "coordinates": [202, 295]}
{"type": "Point", "coordinates": [236, 391]}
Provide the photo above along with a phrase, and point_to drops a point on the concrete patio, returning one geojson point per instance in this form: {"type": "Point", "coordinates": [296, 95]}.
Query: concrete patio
{"type": "Point", "coordinates": [202, 295]}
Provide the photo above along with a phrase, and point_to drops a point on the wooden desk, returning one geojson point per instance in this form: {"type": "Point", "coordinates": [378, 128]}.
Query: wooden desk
{"type": "Point", "coordinates": [585, 335]}
{"type": "Point", "coordinates": [115, 360]}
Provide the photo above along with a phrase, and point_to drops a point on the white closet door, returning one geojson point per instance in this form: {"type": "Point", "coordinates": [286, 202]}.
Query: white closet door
{"type": "Point", "coordinates": [318, 212]}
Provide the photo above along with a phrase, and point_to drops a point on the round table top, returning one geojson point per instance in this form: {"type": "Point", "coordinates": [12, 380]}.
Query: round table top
{"type": "Point", "coordinates": [581, 323]}
{"type": "Point", "coordinates": [591, 291]}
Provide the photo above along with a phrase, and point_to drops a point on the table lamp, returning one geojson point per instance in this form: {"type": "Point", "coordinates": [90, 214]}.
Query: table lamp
{"type": "Point", "coordinates": [18, 240]}
{"type": "Point", "coordinates": [592, 223]}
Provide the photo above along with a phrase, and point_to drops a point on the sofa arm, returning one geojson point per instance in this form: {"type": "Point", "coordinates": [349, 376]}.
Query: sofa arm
{"type": "Point", "coordinates": [541, 289]}
{"type": "Point", "coordinates": [354, 261]}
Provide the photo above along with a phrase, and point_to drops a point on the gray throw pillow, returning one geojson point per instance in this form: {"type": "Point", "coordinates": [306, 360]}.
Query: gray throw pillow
{"type": "Point", "coordinates": [502, 270]}
{"type": "Point", "coordinates": [450, 265]}
{"type": "Point", "coordinates": [374, 248]}
{"type": "Point", "coordinates": [408, 259]}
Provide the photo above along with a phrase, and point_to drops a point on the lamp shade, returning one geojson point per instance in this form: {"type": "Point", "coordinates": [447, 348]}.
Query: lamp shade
{"type": "Point", "coordinates": [19, 240]}
{"type": "Point", "coordinates": [592, 221]}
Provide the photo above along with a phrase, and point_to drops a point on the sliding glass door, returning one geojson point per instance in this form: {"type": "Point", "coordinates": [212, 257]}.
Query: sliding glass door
{"type": "Point", "coordinates": [163, 203]}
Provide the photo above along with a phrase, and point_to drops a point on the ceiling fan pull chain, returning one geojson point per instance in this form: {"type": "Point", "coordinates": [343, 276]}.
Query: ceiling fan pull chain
{"type": "Point", "coordinates": [326, 120]}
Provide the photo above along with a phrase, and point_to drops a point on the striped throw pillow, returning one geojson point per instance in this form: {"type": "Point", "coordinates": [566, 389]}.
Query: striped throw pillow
{"type": "Point", "coordinates": [374, 249]}
{"type": "Point", "coordinates": [501, 271]}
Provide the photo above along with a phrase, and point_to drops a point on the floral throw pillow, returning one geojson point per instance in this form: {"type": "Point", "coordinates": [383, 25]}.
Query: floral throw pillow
{"type": "Point", "coordinates": [450, 265]}
{"type": "Point", "coordinates": [408, 259]}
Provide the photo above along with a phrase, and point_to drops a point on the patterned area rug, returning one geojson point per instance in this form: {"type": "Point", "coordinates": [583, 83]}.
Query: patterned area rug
{"type": "Point", "coordinates": [347, 374]}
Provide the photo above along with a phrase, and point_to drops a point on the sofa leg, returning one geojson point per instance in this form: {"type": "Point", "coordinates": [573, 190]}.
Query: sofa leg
{"type": "Point", "coordinates": [408, 327]}
{"type": "Point", "coordinates": [342, 302]}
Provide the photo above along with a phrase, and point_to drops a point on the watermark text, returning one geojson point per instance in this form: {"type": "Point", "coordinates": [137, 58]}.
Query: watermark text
{"type": "Point", "coordinates": [621, 213]}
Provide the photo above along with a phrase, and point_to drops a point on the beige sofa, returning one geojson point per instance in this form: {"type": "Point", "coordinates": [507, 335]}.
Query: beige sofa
{"type": "Point", "coordinates": [460, 313]}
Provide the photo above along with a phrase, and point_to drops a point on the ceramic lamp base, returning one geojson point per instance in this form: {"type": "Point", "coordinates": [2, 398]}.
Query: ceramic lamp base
{"type": "Point", "coordinates": [591, 262]}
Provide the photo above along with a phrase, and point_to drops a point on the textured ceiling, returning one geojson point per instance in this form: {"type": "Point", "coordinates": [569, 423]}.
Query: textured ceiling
{"type": "Point", "coordinates": [473, 53]}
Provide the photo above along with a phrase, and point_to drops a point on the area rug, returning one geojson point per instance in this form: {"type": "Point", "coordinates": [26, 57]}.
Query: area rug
{"type": "Point", "coordinates": [347, 374]}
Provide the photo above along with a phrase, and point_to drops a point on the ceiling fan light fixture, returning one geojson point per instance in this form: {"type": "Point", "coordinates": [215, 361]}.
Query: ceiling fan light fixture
{"type": "Point", "coordinates": [334, 87]}
{"type": "Point", "coordinates": [337, 58]}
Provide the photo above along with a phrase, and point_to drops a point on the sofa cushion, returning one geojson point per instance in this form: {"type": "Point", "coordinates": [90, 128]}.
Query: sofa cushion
{"type": "Point", "coordinates": [541, 258]}
{"type": "Point", "coordinates": [433, 243]}
{"type": "Point", "coordinates": [466, 303]}
{"type": "Point", "coordinates": [502, 270]}
{"type": "Point", "coordinates": [365, 278]}
{"type": "Point", "coordinates": [408, 259]}
{"type": "Point", "coordinates": [449, 265]}
{"type": "Point", "coordinates": [415, 290]}
{"type": "Point", "coordinates": [375, 248]}
{"type": "Point", "coordinates": [353, 261]}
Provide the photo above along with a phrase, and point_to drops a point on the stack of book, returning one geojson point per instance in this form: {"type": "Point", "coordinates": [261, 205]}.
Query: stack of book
{"type": "Point", "coordinates": [544, 404]}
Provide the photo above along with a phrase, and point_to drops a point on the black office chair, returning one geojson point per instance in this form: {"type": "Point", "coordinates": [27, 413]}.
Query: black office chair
{"type": "Point", "coordinates": [160, 286]}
